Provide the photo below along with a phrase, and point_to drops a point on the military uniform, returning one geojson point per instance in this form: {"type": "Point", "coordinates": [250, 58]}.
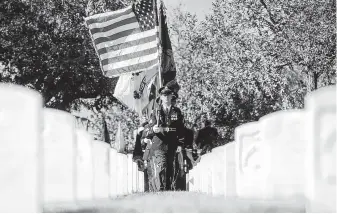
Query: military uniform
{"type": "Point", "coordinates": [164, 146]}
{"type": "Point", "coordinates": [138, 151]}
{"type": "Point", "coordinates": [146, 145]}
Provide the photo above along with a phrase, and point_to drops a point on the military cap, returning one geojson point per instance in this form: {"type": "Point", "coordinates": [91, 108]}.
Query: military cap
{"type": "Point", "coordinates": [165, 90]}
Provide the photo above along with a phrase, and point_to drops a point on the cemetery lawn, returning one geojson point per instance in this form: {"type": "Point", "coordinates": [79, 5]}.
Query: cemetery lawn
{"type": "Point", "coordinates": [179, 202]}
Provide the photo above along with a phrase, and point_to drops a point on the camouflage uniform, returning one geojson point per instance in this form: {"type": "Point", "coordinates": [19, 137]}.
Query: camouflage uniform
{"type": "Point", "coordinates": [146, 157]}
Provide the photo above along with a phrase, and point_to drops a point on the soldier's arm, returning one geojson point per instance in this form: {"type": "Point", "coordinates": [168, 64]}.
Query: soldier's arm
{"type": "Point", "coordinates": [153, 121]}
{"type": "Point", "coordinates": [145, 131]}
{"type": "Point", "coordinates": [143, 137]}
{"type": "Point", "coordinates": [137, 152]}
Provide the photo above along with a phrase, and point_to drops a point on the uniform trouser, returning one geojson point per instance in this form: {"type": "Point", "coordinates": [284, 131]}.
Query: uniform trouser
{"type": "Point", "coordinates": [157, 171]}
{"type": "Point", "coordinates": [176, 171]}
{"type": "Point", "coordinates": [146, 181]}
{"type": "Point", "coordinates": [165, 170]}
{"type": "Point", "coordinates": [180, 177]}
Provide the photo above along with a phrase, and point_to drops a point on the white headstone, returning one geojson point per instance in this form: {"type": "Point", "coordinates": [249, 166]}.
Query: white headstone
{"type": "Point", "coordinates": [134, 176]}
{"type": "Point", "coordinates": [84, 166]}
{"type": "Point", "coordinates": [202, 176]}
{"type": "Point", "coordinates": [283, 134]}
{"type": "Point", "coordinates": [125, 174]}
{"type": "Point", "coordinates": [321, 162]}
{"type": "Point", "coordinates": [113, 173]}
{"type": "Point", "coordinates": [20, 149]}
{"type": "Point", "coordinates": [130, 173]}
{"type": "Point", "coordinates": [121, 179]}
{"type": "Point", "coordinates": [59, 156]}
{"type": "Point", "coordinates": [191, 181]}
{"type": "Point", "coordinates": [141, 181]}
{"type": "Point", "coordinates": [206, 165]}
{"type": "Point", "coordinates": [218, 168]}
{"type": "Point", "coordinates": [251, 159]}
{"type": "Point", "coordinates": [230, 167]}
{"type": "Point", "coordinates": [101, 152]}
{"type": "Point", "coordinates": [197, 177]}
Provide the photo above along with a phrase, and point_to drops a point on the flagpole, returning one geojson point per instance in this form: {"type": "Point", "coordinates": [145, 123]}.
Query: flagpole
{"type": "Point", "coordinates": [158, 20]}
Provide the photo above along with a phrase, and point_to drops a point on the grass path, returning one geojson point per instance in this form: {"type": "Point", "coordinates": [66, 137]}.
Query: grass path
{"type": "Point", "coordinates": [185, 202]}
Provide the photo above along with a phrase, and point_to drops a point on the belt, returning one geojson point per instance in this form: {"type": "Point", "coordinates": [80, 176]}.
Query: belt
{"type": "Point", "coordinates": [167, 129]}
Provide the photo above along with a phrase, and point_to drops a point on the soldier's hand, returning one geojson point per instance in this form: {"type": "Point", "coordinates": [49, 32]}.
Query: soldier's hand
{"type": "Point", "coordinates": [179, 149]}
{"type": "Point", "coordinates": [156, 129]}
{"type": "Point", "coordinates": [140, 129]}
{"type": "Point", "coordinates": [147, 141]}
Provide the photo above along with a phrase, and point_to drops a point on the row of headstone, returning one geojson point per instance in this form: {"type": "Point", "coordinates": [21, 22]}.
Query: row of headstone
{"type": "Point", "coordinates": [286, 154]}
{"type": "Point", "coordinates": [45, 158]}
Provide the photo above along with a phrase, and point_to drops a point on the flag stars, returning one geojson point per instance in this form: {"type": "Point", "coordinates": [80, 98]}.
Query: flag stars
{"type": "Point", "coordinates": [145, 14]}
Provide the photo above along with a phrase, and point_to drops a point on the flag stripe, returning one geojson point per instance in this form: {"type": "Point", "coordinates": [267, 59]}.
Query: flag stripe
{"type": "Point", "coordinates": [127, 45]}
{"type": "Point", "coordinates": [98, 29]}
{"type": "Point", "coordinates": [117, 30]}
{"type": "Point", "coordinates": [125, 40]}
{"type": "Point", "coordinates": [111, 22]}
{"type": "Point", "coordinates": [128, 38]}
{"type": "Point", "coordinates": [130, 56]}
{"type": "Point", "coordinates": [104, 17]}
{"type": "Point", "coordinates": [130, 62]}
{"type": "Point", "coordinates": [131, 68]}
{"type": "Point", "coordinates": [132, 49]}
{"type": "Point", "coordinates": [116, 36]}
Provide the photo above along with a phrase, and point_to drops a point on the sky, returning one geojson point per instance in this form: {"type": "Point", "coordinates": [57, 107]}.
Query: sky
{"type": "Point", "coordinates": [199, 7]}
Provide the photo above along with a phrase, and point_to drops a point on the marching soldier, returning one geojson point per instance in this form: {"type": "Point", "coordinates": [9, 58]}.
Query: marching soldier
{"type": "Point", "coordinates": [138, 151]}
{"type": "Point", "coordinates": [166, 131]}
{"type": "Point", "coordinates": [146, 157]}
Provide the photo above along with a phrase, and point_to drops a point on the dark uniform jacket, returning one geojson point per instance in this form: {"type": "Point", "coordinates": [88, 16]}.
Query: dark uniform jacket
{"type": "Point", "coordinates": [138, 151]}
{"type": "Point", "coordinates": [147, 148]}
{"type": "Point", "coordinates": [169, 139]}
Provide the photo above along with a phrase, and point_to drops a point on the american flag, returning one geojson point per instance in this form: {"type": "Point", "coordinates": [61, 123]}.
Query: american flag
{"type": "Point", "coordinates": [125, 40]}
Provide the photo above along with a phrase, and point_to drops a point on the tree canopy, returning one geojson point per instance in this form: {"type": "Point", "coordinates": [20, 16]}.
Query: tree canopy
{"type": "Point", "coordinates": [251, 58]}
{"type": "Point", "coordinates": [46, 46]}
{"type": "Point", "coordinates": [246, 59]}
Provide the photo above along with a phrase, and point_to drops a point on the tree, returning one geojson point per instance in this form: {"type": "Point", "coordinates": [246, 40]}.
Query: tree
{"type": "Point", "coordinates": [246, 59]}
{"type": "Point", "coordinates": [46, 46]}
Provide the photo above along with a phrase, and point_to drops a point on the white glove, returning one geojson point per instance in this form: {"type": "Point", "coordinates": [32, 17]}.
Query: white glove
{"type": "Point", "coordinates": [140, 129]}
{"type": "Point", "coordinates": [147, 141]}
{"type": "Point", "coordinates": [156, 129]}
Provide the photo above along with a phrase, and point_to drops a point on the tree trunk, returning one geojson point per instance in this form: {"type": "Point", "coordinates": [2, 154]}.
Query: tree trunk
{"type": "Point", "coordinates": [309, 82]}
{"type": "Point", "coordinates": [312, 81]}
{"type": "Point", "coordinates": [315, 80]}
